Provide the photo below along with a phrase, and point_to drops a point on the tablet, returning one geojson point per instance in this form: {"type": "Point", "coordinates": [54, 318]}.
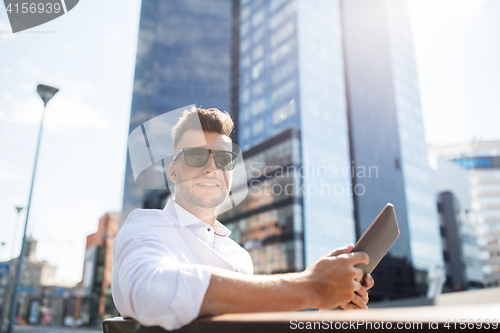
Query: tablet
{"type": "Point", "coordinates": [378, 238]}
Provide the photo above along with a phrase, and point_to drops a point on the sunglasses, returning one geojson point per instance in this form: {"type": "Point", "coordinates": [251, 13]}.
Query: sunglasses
{"type": "Point", "coordinates": [197, 157]}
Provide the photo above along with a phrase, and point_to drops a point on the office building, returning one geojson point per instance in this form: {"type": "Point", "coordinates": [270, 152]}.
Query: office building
{"type": "Point", "coordinates": [482, 161]}
{"type": "Point", "coordinates": [460, 249]}
{"type": "Point", "coordinates": [335, 80]}
{"type": "Point", "coordinates": [183, 58]}
{"type": "Point", "coordinates": [305, 64]}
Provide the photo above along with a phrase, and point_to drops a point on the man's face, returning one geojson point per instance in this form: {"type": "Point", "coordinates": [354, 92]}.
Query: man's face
{"type": "Point", "coordinates": [206, 186]}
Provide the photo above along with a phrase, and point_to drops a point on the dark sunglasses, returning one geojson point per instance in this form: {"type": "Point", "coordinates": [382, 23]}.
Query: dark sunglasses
{"type": "Point", "coordinates": [197, 157]}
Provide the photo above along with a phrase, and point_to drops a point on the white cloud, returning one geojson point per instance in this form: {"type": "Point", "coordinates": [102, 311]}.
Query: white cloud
{"type": "Point", "coordinates": [66, 112]}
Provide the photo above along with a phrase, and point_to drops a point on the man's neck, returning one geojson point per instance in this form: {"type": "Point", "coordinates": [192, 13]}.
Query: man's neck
{"type": "Point", "coordinates": [207, 215]}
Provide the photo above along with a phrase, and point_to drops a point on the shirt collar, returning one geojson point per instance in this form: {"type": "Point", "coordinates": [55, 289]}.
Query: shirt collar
{"type": "Point", "coordinates": [186, 219]}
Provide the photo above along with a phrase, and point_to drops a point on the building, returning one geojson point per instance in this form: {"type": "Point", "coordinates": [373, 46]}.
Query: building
{"type": "Point", "coordinates": [41, 297]}
{"type": "Point", "coordinates": [268, 223]}
{"type": "Point", "coordinates": [357, 111]}
{"type": "Point", "coordinates": [460, 249]}
{"type": "Point", "coordinates": [481, 159]}
{"type": "Point", "coordinates": [298, 74]}
{"type": "Point", "coordinates": [183, 57]}
{"type": "Point", "coordinates": [94, 301]}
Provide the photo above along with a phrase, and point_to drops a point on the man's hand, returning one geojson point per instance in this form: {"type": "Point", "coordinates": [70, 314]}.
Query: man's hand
{"type": "Point", "coordinates": [330, 282]}
{"type": "Point", "coordinates": [335, 281]}
{"type": "Point", "coordinates": [361, 298]}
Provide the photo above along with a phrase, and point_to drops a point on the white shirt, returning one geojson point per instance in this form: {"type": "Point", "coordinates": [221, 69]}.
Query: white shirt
{"type": "Point", "coordinates": [161, 264]}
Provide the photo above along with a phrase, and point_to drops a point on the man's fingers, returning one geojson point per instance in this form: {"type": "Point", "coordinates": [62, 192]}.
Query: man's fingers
{"type": "Point", "coordinates": [349, 306]}
{"type": "Point", "coordinates": [359, 258]}
{"type": "Point", "coordinates": [368, 282]}
{"type": "Point", "coordinates": [363, 294]}
{"type": "Point", "coordinates": [358, 275]}
{"type": "Point", "coordinates": [356, 303]}
{"type": "Point", "coordinates": [341, 250]}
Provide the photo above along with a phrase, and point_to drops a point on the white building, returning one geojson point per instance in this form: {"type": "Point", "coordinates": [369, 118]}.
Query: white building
{"type": "Point", "coordinates": [482, 161]}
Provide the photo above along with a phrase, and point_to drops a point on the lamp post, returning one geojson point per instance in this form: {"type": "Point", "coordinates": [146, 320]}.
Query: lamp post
{"type": "Point", "coordinates": [12, 249]}
{"type": "Point", "coordinates": [46, 93]}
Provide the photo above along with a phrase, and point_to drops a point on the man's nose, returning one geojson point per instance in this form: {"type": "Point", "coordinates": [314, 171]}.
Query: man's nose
{"type": "Point", "coordinates": [210, 166]}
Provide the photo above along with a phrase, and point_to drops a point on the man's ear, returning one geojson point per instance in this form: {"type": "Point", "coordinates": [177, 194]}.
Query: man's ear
{"type": "Point", "coordinates": [172, 172]}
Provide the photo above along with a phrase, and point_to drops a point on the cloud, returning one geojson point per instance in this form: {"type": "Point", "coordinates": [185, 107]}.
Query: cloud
{"type": "Point", "coordinates": [66, 112]}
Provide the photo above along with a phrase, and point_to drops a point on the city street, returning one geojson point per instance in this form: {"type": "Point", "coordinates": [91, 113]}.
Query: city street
{"type": "Point", "coordinates": [51, 329]}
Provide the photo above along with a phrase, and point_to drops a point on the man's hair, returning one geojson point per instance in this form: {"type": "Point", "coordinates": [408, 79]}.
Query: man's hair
{"type": "Point", "coordinates": [211, 120]}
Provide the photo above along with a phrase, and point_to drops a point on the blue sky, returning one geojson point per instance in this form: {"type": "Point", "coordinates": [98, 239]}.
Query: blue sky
{"type": "Point", "coordinates": [89, 54]}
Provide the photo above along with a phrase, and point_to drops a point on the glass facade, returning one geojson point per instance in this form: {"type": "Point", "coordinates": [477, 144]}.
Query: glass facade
{"type": "Point", "coordinates": [268, 223]}
{"type": "Point", "coordinates": [386, 133]}
{"type": "Point", "coordinates": [422, 215]}
{"type": "Point", "coordinates": [272, 98]}
{"type": "Point", "coordinates": [268, 70]}
{"type": "Point", "coordinates": [328, 197]}
{"type": "Point", "coordinates": [183, 58]}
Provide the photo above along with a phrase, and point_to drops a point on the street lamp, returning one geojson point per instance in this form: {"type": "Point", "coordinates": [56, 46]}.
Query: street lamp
{"type": "Point", "coordinates": [46, 93]}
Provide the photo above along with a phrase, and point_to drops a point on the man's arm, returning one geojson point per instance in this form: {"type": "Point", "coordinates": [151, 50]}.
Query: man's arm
{"type": "Point", "coordinates": [330, 282]}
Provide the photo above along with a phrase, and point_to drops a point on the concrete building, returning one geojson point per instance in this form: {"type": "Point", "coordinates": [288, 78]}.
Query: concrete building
{"type": "Point", "coordinates": [460, 249]}
{"type": "Point", "coordinates": [41, 297]}
{"type": "Point", "coordinates": [481, 159]}
{"type": "Point", "coordinates": [94, 301]}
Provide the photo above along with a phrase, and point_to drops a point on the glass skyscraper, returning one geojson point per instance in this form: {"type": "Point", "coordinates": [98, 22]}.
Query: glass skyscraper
{"type": "Point", "coordinates": [327, 106]}
{"type": "Point", "coordinates": [183, 58]}
{"type": "Point", "coordinates": [481, 159]}
{"type": "Point", "coordinates": [293, 76]}
{"type": "Point", "coordinates": [387, 132]}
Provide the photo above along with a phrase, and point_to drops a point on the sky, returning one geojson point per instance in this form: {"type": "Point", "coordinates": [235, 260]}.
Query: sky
{"type": "Point", "coordinates": [89, 54]}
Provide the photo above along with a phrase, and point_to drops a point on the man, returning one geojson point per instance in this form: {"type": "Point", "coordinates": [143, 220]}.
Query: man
{"type": "Point", "coordinates": [173, 265]}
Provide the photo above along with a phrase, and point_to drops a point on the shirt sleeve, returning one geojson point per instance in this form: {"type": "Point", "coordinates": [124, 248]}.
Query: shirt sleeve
{"type": "Point", "coordinates": [154, 288]}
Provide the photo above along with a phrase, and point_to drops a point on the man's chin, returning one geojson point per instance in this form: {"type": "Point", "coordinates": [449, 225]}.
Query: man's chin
{"type": "Point", "coordinates": [208, 203]}
{"type": "Point", "coordinates": [207, 200]}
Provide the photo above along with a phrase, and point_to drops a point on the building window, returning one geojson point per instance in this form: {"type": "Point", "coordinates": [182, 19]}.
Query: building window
{"type": "Point", "coordinates": [259, 106]}
{"type": "Point", "coordinates": [285, 90]}
{"type": "Point", "coordinates": [283, 113]}
{"type": "Point", "coordinates": [282, 51]}
{"type": "Point", "coordinates": [282, 72]}
{"type": "Point", "coordinates": [258, 127]}
{"type": "Point", "coordinates": [244, 45]}
{"type": "Point", "coordinates": [246, 61]}
{"type": "Point", "coordinates": [257, 70]}
{"type": "Point", "coordinates": [258, 18]}
{"type": "Point", "coordinates": [282, 33]}
{"type": "Point", "coordinates": [276, 3]}
{"type": "Point", "coordinates": [244, 29]}
{"type": "Point", "coordinates": [257, 88]}
{"type": "Point", "coordinates": [245, 96]}
{"type": "Point", "coordinates": [258, 34]}
{"type": "Point", "coordinates": [244, 13]}
{"type": "Point", "coordinates": [258, 52]}
{"type": "Point", "coordinates": [280, 16]}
